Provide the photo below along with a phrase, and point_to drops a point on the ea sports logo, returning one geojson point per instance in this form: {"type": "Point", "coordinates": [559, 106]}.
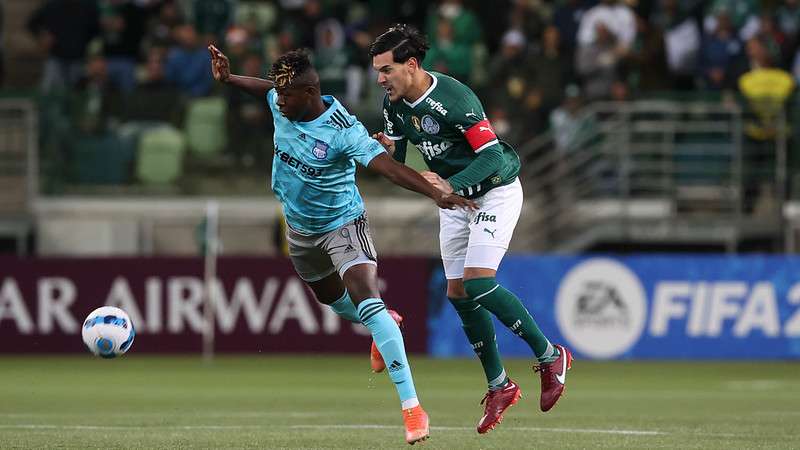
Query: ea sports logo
{"type": "Point", "coordinates": [600, 308]}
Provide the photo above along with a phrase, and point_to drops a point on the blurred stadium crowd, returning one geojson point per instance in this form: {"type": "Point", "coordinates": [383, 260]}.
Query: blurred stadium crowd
{"type": "Point", "coordinates": [535, 63]}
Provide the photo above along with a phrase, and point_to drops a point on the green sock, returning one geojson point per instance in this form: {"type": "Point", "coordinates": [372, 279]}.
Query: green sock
{"type": "Point", "coordinates": [477, 324]}
{"type": "Point", "coordinates": [510, 310]}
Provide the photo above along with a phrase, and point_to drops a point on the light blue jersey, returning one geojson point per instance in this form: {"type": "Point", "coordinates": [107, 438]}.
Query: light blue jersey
{"type": "Point", "coordinates": [313, 170]}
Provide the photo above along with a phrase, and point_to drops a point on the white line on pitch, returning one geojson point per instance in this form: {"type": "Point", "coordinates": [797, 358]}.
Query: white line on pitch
{"type": "Point", "coordinates": [329, 426]}
{"type": "Point", "coordinates": [126, 427]}
{"type": "Point", "coordinates": [569, 430]}
{"type": "Point", "coordinates": [338, 426]}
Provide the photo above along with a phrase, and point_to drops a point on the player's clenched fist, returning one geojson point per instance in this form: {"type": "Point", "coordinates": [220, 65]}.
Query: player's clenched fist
{"type": "Point", "coordinates": [220, 66]}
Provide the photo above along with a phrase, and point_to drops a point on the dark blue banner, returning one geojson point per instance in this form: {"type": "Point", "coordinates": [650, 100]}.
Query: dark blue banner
{"type": "Point", "coordinates": [671, 307]}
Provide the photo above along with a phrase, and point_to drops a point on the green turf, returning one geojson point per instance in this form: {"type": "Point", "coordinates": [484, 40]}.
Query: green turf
{"type": "Point", "coordinates": [334, 402]}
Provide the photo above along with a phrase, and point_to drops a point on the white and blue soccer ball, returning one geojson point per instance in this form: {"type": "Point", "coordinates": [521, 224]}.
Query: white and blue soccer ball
{"type": "Point", "coordinates": [108, 332]}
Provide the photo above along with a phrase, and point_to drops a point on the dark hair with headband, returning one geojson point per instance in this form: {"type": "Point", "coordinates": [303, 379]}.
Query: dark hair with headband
{"type": "Point", "coordinates": [289, 67]}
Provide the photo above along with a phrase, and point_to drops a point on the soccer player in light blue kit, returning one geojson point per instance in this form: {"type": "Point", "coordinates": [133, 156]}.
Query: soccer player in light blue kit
{"type": "Point", "coordinates": [317, 143]}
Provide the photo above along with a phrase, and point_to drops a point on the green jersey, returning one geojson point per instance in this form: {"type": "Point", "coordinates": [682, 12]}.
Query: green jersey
{"type": "Point", "coordinates": [449, 127]}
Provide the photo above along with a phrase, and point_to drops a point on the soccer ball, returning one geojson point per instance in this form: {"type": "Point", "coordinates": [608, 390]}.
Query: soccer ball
{"type": "Point", "coordinates": [108, 332]}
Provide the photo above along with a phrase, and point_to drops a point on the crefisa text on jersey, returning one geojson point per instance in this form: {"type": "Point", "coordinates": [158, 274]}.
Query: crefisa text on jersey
{"type": "Point", "coordinates": [436, 106]}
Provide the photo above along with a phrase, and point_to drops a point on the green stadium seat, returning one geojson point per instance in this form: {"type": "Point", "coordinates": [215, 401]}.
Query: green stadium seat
{"type": "Point", "coordinates": [160, 156]}
{"type": "Point", "coordinates": [205, 126]}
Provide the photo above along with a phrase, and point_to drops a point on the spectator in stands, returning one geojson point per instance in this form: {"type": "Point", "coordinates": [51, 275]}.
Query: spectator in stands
{"type": "Point", "coordinates": [302, 21]}
{"type": "Point", "coordinates": [249, 130]}
{"type": "Point", "coordinates": [331, 56]}
{"type": "Point", "coordinates": [570, 128]}
{"type": "Point", "coordinates": [738, 12]}
{"type": "Point", "coordinates": [238, 44]}
{"type": "Point", "coordinates": [466, 29]}
{"type": "Point", "coordinates": [527, 17]}
{"type": "Point", "coordinates": [720, 54]}
{"type": "Point", "coordinates": [768, 33]}
{"type": "Point", "coordinates": [64, 29]}
{"type": "Point", "coordinates": [552, 69]}
{"type": "Point", "coordinates": [122, 25]}
{"type": "Point", "coordinates": [647, 68]}
{"type": "Point", "coordinates": [153, 77]}
{"type": "Point", "coordinates": [766, 88]}
{"type": "Point", "coordinates": [511, 80]}
{"type": "Point", "coordinates": [334, 62]}
{"type": "Point", "coordinates": [212, 18]}
{"type": "Point", "coordinates": [681, 40]}
{"type": "Point", "coordinates": [616, 18]}
{"type": "Point", "coordinates": [93, 112]}
{"type": "Point", "coordinates": [572, 131]}
{"type": "Point", "coordinates": [788, 17]}
{"type": "Point", "coordinates": [162, 21]}
{"type": "Point", "coordinates": [187, 64]}
{"type": "Point", "coordinates": [156, 99]}
{"type": "Point", "coordinates": [448, 55]}
{"type": "Point", "coordinates": [567, 18]}
{"type": "Point", "coordinates": [598, 63]}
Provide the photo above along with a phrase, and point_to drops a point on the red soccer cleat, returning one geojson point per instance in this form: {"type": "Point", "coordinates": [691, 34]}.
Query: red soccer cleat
{"type": "Point", "coordinates": [417, 424]}
{"type": "Point", "coordinates": [496, 404]}
{"type": "Point", "coordinates": [375, 358]}
{"type": "Point", "coordinates": [554, 376]}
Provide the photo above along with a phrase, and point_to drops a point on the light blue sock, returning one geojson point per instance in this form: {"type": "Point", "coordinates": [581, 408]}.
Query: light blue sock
{"type": "Point", "coordinates": [345, 308]}
{"type": "Point", "coordinates": [389, 340]}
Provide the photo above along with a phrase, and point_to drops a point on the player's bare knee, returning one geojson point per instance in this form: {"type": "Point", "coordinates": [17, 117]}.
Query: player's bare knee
{"type": "Point", "coordinates": [471, 273]}
{"type": "Point", "coordinates": [455, 289]}
{"type": "Point", "coordinates": [361, 281]}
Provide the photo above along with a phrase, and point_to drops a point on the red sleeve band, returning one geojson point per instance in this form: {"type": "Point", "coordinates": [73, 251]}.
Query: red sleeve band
{"type": "Point", "coordinates": [480, 134]}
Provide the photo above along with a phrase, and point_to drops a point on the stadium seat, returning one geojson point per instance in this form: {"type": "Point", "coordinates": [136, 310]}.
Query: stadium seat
{"type": "Point", "coordinates": [160, 156]}
{"type": "Point", "coordinates": [205, 126]}
{"type": "Point", "coordinates": [104, 159]}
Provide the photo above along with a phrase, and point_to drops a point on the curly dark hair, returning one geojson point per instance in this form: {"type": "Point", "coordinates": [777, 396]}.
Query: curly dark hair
{"type": "Point", "coordinates": [288, 67]}
{"type": "Point", "coordinates": [404, 41]}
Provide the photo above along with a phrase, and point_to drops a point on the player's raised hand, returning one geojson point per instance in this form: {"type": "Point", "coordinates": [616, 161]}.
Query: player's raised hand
{"type": "Point", "coordinates": [437, 181]}
{"type": "Point", "coordinates": [387, 143]}
{"type": "Point", "coordinates": [453, 201]}
{"type": "Point", "coordinates": [220, 66]}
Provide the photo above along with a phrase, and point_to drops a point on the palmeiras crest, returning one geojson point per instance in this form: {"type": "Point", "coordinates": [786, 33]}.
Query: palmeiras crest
{"type": "Point", "coordinates": [430, 125]}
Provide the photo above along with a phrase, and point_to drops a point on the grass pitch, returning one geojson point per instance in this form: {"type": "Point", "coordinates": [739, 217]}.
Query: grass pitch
{"type": "Point", "coordinates": [335, 402]}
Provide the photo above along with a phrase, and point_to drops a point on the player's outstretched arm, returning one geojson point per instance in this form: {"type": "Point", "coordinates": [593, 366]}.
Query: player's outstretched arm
{"type": "Point", "coordinates": [408, 178]}
{"type": "Point", "coordinates": [221, 69]}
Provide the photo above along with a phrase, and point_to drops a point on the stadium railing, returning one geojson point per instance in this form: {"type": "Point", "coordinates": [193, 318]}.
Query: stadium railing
{"type": "Point", "coordinates": [656, 172]}
{"type": "Point", "coordinates": [18, 170]}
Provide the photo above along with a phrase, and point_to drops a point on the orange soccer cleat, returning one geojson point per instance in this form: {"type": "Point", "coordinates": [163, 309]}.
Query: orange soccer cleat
{"type": "Point", "coordinates": [417, 428]}
{"type": "Point", "coordinates": [375, 358]}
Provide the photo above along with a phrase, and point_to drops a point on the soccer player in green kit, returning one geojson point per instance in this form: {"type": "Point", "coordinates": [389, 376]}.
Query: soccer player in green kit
{"type": "Point", "coordinates": [447, 123]}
